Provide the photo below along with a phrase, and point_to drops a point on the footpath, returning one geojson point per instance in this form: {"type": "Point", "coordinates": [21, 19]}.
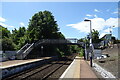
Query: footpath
{"type": "Point", "coordinates": [79, 70]}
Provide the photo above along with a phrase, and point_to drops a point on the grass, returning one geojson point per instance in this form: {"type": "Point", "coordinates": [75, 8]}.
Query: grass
{"type": "Point", "coordinates": [81, 53]}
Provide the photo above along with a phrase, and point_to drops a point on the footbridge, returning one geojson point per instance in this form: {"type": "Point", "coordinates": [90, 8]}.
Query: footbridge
{"type": "Point", "coordinates": [26, 49]}
{"type": "Point", "coordinates": [69, 41]}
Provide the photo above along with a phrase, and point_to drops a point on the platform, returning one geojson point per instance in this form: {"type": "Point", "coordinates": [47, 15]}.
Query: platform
{"type": "Point", "coordinates": [13, 63]}
{"type": "Point", "coordinates": [15, 66]}
{"type": "Point", "coordinates": [79, 69]}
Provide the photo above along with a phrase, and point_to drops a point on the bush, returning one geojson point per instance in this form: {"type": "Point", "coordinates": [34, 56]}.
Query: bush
{"type": "Point", "coordinates": [7, 44]}
{"type": "Point", "coordinates": [81, 52]}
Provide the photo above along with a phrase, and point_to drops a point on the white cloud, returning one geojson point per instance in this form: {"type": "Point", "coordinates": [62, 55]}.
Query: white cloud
{"type": "Point", "coordinates": [11, 26]}
{"type": "Point", "coordinates": [2, 24]}
{"type": "Point", "coordinates": [116, 12]}
{"type": "Point", "coordinates": [5, 25]}
{"type": "Point", "coordinates": [112, 22]}
{"type": "Point", "coordinates": [107, 30]}
{"type": "Point", "coordinates": [22, 24]}
{"type": "Point", "coordinates": [88, 15]}
{"type": "Point", "coordinates": [2, 19]}
{"type": "Point", "coordinates": [102, 34]}
{"type": "Point", "coordinates": [97, 24]}
{"type": "Point", "coordinates": [81, 26]}
{"type": "Point", "coordinates": [96, 10]}
{"type": "Point", "coordinates": [95, 16]}
{"type": "Point", "coordinates": [86, 18]}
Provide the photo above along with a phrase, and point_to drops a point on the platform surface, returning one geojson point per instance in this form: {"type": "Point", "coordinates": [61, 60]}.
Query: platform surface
{"type": "Point", "coordinates": [78, 69]}
{"type": "Point", "coordinates": [12, 63]}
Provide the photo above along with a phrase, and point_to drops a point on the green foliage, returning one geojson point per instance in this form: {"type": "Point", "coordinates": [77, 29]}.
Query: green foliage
{"type": "Point", "coordinates": [23, 40]}
{"type": "Point", "coordinates": [42, 26]}
{"type": "Point", "coordinates": [19, 37]}
{"type": "Point", "coordinates": [6, 41]}
{"type": "Point", "coordinates": [7, 44]}
{"type": "Point", "coordinates": [82, 40]}
{"type": "Point", "coordinates": [18, 34]}
{"type": "Point", "coordinates": [85, 40]}
{"type": "Point", "coordinates": [81, 52]}
{"type": "Point", "coordinates": [113, 39]}
{"type": "Point", "coordinates": [95, 36]}
{"type": "Point", "coordinates": [5, 32]}
{"type": "Point", "coordinates": [59, 52]}
{"type": "Point", "coordinates": [13, 41]}
{"type": "Point", "coordinates": [117, 41]}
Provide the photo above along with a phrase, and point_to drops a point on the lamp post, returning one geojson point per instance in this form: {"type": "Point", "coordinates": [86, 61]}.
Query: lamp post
{"type": "Point", "coordinates": [90, 31]}
{"type": "Point", "coordinates": [110, 28]}
{"type": "Point", "coordinates": [90, 40]}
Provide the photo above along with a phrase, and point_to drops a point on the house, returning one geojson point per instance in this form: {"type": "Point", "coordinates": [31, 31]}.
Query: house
{"type": "Point", "coordinates": [106, 40]}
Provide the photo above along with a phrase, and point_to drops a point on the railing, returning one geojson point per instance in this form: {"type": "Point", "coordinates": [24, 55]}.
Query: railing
{"type": "Point", "coordinates": [26, 52]}
{"type": "Point", "coordinates": [21, 50]}
{"type": "Point", "coordinates": [59, 41]}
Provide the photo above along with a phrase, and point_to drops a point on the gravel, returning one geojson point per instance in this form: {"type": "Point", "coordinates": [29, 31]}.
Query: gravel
{"type": "Point", "coordinates": [111, 63]}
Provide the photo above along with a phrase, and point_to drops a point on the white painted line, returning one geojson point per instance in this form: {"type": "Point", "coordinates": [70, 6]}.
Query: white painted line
{"type": "Point", "coordinates": [62, 76]}
{"type": "Point", "coordinates": [104, 73]}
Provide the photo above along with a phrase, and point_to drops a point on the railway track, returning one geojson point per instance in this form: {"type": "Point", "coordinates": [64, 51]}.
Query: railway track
{"type": "Point", "coordinates": [43, 72]}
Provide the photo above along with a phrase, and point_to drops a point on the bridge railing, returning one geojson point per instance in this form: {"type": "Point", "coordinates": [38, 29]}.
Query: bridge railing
{"type": "Point", "coordinates": [59, 41]}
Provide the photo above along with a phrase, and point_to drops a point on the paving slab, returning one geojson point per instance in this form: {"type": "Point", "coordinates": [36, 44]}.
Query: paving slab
{"type": "Point", "coordinates": [86, 71]}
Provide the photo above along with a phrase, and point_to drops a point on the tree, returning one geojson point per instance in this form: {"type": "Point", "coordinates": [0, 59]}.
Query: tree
{"type": "Point", "coordinates": [5, 32]}
{"type": "Point", "coordinates": [14, 36]}
{"type": "Point", "coordinates": [7, 44]}
{"type": "Point", "coordinates": [6, 41]}
{"type": "Point", "coordinates": [23, 40]}
{"type": "Point", "coordinates": [42, 25]}
{"type": "Point", "coordinates": [19, 37]}
{"type": "Point", "coordinates": [113, 39]}
{"type": "Point", "coordinates": [95, 36]}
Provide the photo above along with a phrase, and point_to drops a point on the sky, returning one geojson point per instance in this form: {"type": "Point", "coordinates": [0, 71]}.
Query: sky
{"type": "Point", "coordinates": [70, 16]}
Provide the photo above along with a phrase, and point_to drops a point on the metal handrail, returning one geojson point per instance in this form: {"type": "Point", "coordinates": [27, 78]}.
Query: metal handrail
{"type": "Point", "coordinates": [26, 51]}
{"type": "Point", "coordinates": [22, 48]}
{"type": "Point", "coordinates": [28, 48]}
